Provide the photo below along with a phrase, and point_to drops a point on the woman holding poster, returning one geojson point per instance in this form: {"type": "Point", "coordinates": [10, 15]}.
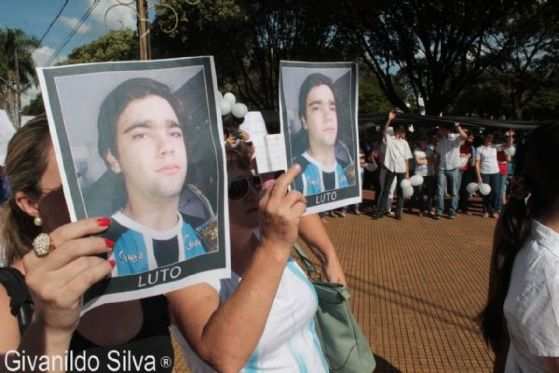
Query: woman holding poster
{"type": "Point", "coordinates": [59, 274]}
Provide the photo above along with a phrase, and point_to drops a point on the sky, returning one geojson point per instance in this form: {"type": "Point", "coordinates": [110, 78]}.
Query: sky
{"type": "Point", "coordinates": [34, 17]}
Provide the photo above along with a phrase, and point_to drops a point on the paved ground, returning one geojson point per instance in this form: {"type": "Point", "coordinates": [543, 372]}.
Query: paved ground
{"type": "Point", "coordinates": [418, 285]}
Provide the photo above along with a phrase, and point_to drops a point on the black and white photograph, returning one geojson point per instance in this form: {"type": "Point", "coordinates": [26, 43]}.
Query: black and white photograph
{"type": "Point", "coordinates": [318, 108]}
{"type": "Point", "coordinates": [140, 144]}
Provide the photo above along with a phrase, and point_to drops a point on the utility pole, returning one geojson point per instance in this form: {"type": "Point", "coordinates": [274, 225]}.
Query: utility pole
{"type": "Point", "coordinates": [17, 92]}
{"type": "Point", "coordinates": [143, 29]}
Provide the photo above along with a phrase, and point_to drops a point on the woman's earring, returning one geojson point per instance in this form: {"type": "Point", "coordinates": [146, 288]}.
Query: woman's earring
{"type": "Point", "coordinates": [37, 221]}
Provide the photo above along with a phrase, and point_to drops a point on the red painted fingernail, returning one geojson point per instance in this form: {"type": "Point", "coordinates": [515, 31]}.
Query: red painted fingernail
{"type": "Point", "coordinates": [103, 222]}
{"type": "Point", "coordinates": [109, 243]}
{"type": "Point", "coordinates": [112, 263]}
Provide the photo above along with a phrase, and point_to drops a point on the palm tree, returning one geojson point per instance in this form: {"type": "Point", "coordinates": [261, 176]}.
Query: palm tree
{"type": "Point", "coordinates": [17, 70]}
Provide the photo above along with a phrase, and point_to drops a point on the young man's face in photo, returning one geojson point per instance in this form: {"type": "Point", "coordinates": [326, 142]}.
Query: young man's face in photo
{"type": "Point", "coordinates": [151, 150]}
{"type": "Point", "coordinates": [320, 116]}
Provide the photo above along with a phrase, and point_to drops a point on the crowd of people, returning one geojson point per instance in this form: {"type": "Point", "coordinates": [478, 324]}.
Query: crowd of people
{"type": "Point", "coordinates": [261, 319]}
{"type": "Point", "coordinates": [445, 166]}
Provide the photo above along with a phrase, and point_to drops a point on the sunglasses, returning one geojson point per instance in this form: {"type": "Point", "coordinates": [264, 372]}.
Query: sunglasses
{"type": "Point", "coordinates": [239, 187]}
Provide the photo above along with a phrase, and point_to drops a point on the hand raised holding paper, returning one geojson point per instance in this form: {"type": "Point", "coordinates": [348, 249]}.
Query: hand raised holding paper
{"type": "Point", "coordinates": [282, 210]}
{"type": "Point", "coordinates": [58, 280]}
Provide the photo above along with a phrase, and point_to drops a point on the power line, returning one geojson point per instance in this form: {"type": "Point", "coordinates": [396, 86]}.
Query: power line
{"type": "Point", "coordinates": [74, 31]}
{"type": "Point", "coordinates": [53, 21]}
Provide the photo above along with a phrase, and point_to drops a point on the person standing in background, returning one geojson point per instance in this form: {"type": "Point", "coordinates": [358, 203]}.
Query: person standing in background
{"type": "Point", "coordinates": [448, 151]}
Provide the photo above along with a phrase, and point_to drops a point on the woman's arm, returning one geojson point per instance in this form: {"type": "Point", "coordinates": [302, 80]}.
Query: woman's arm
{"type": "Point", "coordinates": [478, 170]}
{"type": "Point", "coordinates": [9, 332]}
{"type": "Point", "coordinates": [225, 335]}
{"type": "Point", "coordinates": [313, 232]}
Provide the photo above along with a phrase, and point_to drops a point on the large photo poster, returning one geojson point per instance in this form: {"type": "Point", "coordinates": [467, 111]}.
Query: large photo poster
{"type": "Point", "coordinates": [318, 112]}
{"type": "Point", "coordinates": [140, 142]}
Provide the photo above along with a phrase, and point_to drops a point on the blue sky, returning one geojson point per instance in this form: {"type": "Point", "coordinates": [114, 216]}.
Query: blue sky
{"type": "Point", "coordinates": [34, 17]}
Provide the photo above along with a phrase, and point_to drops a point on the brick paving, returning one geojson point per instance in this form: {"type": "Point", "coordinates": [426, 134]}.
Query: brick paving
{"type": "Point", "coordinates": [417, 287]}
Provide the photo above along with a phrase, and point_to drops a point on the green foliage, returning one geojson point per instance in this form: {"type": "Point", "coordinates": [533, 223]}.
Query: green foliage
{"type": "Point", "coordinates": [441, 47]}
{"type": "Point", "coordinates": [120, 45]}
{"type": "Point", "coordinates": [371, 97]}
{"type": "Point", "coordinates": [12, 42]}
{"type": "Point", "coordinates": [248, 39]}
{"type": "Point", "coordinates": [17, 69]}
{"type": "Point", "coordinates": [35, 107]}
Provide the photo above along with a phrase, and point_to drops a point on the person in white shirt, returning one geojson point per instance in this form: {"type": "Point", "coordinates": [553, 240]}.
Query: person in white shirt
{"type": "Point", "coordinates": [448, 152]}
{"type": "Point", "coordinates": [424, 166]}
{"type": "Point", "coordinates": [487, 170]}
{"type": "Point", "coordinates": [395, 165]}
{"type": "Point", "coordinates": [520, 320]}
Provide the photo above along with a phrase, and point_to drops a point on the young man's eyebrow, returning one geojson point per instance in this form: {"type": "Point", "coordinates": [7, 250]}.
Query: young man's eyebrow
{"type": "Point", "coordinates": [315, 102]}
{"type": "Point", "coordinates": [144, 124]}
{"type": "Point", "coordinates": [172, 123]}
{"type": "Point", "coordinates": [147, 125]}
{"type": "Point", "coordinates": [320, 101]}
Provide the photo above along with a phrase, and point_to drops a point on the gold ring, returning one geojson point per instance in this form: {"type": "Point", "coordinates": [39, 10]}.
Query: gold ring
{"type": "Point", "coordinates": [42, 245]}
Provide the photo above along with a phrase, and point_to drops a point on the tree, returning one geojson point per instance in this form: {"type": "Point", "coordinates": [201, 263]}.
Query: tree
{"type": "Point", "coordinates": [35, 107]}
{"type": "Point", "coordinates": [371, 97]}
{"type": "Point", "coordinates": [248, 40]}
{"type": "Point", "coordinates": [532, 55]}
{"type": "Point", "coordinates": [118, 45]}
{"type": "Point", "coordinates": [17, 70]}
{"type": "Point", "coordinates": [439, 46]}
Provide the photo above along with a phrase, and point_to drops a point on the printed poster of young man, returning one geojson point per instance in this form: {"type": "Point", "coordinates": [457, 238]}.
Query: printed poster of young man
{"type": "Point", "coordinates": [318, 108]}
{"type": "Point", "coordinates": [140, 142]}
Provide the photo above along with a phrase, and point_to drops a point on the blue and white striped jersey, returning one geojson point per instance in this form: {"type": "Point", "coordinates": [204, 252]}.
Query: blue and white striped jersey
{"type": "Point", "coordinates": [139, 249]}
{"type": "Point", "coordinates": [314, 179]}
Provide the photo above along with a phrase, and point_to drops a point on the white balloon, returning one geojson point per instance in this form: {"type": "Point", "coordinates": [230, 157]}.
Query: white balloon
{"type": "Point", "coordinates": [239, 110]}
{"type": "Point", "coordinates": [225, 107]}
{"type": "Point", "coordinates": [407, 192]}
{"type": "Point", "coordinates": [472, 188]}
{"type": "Point", "coordinates": [405, 183]}
{"type": "Point", "coordinates": [219, 96]}
{"type": "Point", "coordinates": [230, 98]}
{"type": "Point", "coordinates": [484, 189]}
{"type": "Point", "coordinates": [416, 180]}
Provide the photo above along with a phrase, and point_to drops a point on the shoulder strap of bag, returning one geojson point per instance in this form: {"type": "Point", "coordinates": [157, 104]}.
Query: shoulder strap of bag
{"type": "Point", "coordinates": [312, 271]}
{"type": "Point", "coordinates": [21, 304]}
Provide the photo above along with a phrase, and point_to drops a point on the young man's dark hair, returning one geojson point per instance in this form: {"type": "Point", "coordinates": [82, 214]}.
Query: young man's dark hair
{"type": "Point", "coordinates": [116, 102]}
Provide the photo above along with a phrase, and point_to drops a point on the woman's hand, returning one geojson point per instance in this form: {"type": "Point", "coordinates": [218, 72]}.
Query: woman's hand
{"type": "Point", "coordinates": [281, 211]}
{"type": "Point", "coordinates": [334, 271]}
{"type": "Point", "coordinates": [58, 280]}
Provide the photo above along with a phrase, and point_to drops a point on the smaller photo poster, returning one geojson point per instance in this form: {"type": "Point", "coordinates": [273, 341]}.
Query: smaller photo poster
{"type": "Point", "coordinates": [140, 142]}
{"type": "Point", "coordinates": [318, 113]}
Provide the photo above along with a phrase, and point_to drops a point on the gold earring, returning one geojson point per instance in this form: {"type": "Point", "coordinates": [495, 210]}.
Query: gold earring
{"type": "Point", "coordinates": [38, 221]}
